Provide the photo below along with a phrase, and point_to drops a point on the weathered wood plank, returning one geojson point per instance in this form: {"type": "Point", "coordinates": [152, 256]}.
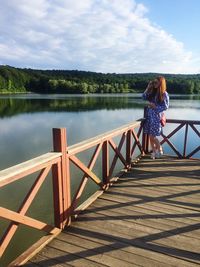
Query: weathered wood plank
{"type": "Point", "coordinates": [95, 255]}
{"type": "Point", "coordinates": [64, 256]}
{"type": "Point", "coordinates": [150, 217]}
{"type": "Point", "coordinates": [153, 207]}
{"type": "Point", "coordinates": [41, 260]}
{"type": "Point", "coordinates": [189, 197]}
{"type": "Point", "coordinates": [108, 249]}
{"type": "Point", "coordinates": [158, 221]}
{"type": "Point", "coordinates": [123, 244]}
{"type": "Point", "coordinates": [146, 233]}
{"type": "Point", "coordinates": [159, 242]}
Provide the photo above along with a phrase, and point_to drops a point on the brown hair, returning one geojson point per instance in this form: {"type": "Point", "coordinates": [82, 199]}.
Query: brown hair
{"type": "Point", "coordinates": [162, 88]}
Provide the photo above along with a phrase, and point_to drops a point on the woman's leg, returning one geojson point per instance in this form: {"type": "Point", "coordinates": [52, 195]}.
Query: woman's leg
{"type": "Point", "coordinates": [156, 147]}
{"type": "Point", "coordinates": [152, 142]}
{"type": "Point", "coordinates": [159, 150]}
{"type": "Point", "coordinates": [153, 145]}
{"type": "Point", "coordinates": [157, 144]}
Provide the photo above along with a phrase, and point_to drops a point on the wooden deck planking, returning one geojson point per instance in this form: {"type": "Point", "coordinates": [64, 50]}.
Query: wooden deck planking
{"type": "Point", "coordinates": [150, 217]}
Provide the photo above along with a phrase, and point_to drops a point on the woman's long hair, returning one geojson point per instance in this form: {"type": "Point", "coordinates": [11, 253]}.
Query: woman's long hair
{"type": "Point", "coordinates": [157, 93]}
{"type": "Point", "coordinates": [161, 89]}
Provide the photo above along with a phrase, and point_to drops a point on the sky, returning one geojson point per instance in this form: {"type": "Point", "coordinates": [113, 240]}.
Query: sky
{"type": "Point", "coordinates": [109, 36]}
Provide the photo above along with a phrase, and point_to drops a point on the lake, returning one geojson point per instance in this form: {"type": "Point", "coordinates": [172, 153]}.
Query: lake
{"type": "Point", "coordinates": [26, 123]}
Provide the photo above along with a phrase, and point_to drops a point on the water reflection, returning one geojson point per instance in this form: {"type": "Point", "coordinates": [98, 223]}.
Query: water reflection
{"type": "Point", "coordinates": [27, 120]}
{"type": "Point", "coordinates": [11, 106]}
{"type": "Point", "coordinates": [32, 103]}
{"type": "Point", "coordinates": [28, 135]}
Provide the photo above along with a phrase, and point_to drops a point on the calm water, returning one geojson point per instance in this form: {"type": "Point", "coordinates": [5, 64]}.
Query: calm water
{"type": "Point", "coordinates": [26, 123]}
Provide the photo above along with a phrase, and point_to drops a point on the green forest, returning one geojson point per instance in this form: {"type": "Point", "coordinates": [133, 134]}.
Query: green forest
{"type": "Point", "coordinates": [24, 80]}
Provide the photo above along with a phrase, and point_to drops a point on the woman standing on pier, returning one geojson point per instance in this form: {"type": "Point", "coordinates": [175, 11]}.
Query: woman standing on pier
{"type": "Point", "coordinates": [158, 99]}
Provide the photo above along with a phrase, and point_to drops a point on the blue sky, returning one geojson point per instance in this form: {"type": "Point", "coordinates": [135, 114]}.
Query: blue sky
{"type": "Point", "coordinates": [181, 18]}
{"type": "Point", "coordinates": [121, 36]}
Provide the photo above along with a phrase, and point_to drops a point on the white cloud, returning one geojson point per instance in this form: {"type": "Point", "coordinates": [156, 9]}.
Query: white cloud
{"type": "Point", "coordinates": [105, 36]}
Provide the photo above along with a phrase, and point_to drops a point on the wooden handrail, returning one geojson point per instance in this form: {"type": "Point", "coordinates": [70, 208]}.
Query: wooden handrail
{"type": "Point", "coordinates": [105, 142]}
{"type": "Point", "coordinates": [43, 163]}
{"type": "Point", "coordinates": [182, 124]}
{"type": "Point", "coordinates": [59, 162]}
{"type": "Point", "coordinates": [81, 146]}
{"type": "Point", "coordinates": [183, 121]}
{"type": "Point", "coordinates": [20, 170]}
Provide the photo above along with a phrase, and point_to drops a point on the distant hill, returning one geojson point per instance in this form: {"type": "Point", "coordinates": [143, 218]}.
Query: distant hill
{"type": "Point", "coordinates": [14, 80]}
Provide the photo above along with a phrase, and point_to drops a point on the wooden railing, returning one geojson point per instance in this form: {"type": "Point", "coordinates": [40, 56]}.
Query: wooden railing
{"type": "Point", "coordinates": [43, 164]}
{"type": "Point", "coordinates": [59, 162]}
{"type": "Point", "coordinates": [179, 125]}
{"type": "Point", "coordinates": [103, 143]}
{"type": "Point", "coordinates": [183, 124]}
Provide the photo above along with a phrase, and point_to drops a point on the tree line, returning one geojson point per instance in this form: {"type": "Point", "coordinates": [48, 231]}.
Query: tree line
{"type": "Point", "coordinates": [14, 80]}
{"type": "Point", "coordinates": [12, 106]}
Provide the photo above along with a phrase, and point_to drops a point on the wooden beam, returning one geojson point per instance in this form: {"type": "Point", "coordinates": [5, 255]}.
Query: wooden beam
{"type": "Point", "coordinates": [137, 142]}
{"type": "Point", "coordinates": [23, 209]}
{"type": "Point", "coordinates": [128, 147]}
{"type": "Point", "coordinates": [193, 152]}
{"type": "Point", "coordinates": [183, 121]}
{"type": "Point", "coordinates": [34, 249]}
{"type": "Point", "coordinates": [74, 149]}
{"type": "Point", "coordinates": [171, 145]}
{"type": "Point", "coordinates": [85, 177]}
{"type": "Point", "coordinates": [185, 140]}
{"type": "Point", "coordinates": [18, 218]}
{"type": "Point", "coordinates": [87, 171]}
{"type": "Point", "coordinates": [172, 133]}
{"type": "Point", "coordinates": [58, 196]}
{"type": "Point", "coordinates": [116, 155]}
{"type": "Point", "coordinates": [18, 171]}
{"type": "Point", "coordinates": [60, 145]}
{"type": "Point", "coordinates": [195, 129]}
{"type": "Point", "coordinates": [115, 148]}
{"type": "Point", "coordinates": [105, 162]}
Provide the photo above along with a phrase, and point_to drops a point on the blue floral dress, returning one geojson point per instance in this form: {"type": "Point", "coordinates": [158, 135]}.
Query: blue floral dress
{"type": "Point", "coordinates": [152, 124]}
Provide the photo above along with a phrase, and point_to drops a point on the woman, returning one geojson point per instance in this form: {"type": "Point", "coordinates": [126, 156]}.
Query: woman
{"type": "Point", "coordinates": [158, 99]}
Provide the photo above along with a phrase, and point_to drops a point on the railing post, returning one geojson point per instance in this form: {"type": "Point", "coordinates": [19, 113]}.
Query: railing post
{"type": "Point", "coordinates": [128, 148]}
{"type": "Point", "coordinates": [105, 162]}
{"type": "Point", "coordinates": [61, 180]}
{"type": "Point", "coordinates": [185, 141]}
{"type": "Point", "coordinates": [145, 137]}
{"type": "Point", "coordinates": [145, 141]}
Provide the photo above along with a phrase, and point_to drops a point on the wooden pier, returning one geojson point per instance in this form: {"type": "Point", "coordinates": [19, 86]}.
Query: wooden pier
{"type": "Point", "coordinates": [147, 215]}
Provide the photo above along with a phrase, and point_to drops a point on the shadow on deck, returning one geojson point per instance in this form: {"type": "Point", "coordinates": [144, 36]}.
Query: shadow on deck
{"type": "Point", "coordinates": [149, 217]}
